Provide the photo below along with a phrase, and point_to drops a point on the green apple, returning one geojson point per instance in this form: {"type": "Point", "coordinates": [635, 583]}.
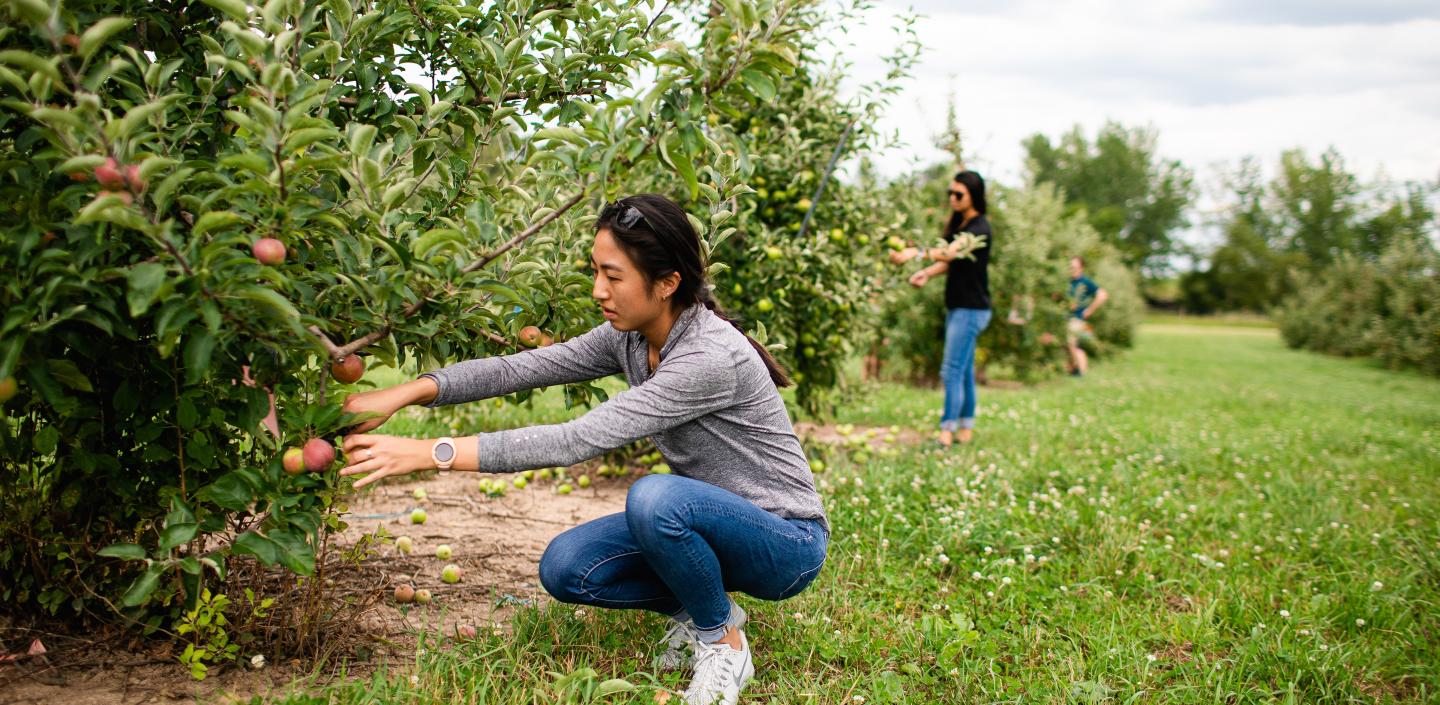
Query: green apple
{"type": "Point", "coordinates": [404, 544]}
{"type": "Point", "coordinates": [774, 252]}
{"type": "Point", "coordinates": [565, 489]}
{"type": "Point", "coordinates": [737, 290]}
{"type": "Point", "coordinates": [450, 574]}
{"type": "Point", "coordinates": [419, 494]}
{"type": "Point", "coordinates": [443, 552]}
{"type": "Point", "coordinates": [543, 474]}
{"type": "Point", "coordinates": [660, 469]}
{"type": "Point", "coordinates": [764, 306]}
{"type": "Point", "coordinates": [422, 596]}
{"type": "Point", "coordinates": [803, 205]}
{"type": "Point", "coordinates": [520, 483]}
{"type": "Point", "coordinates": [817, 466]}
{"type": "Point", "coordinates": [418, 516]}
{"type": "Point", "coordinates": [584, 481]}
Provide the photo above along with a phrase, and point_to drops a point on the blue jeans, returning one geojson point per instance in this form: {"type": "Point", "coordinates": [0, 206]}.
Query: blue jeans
{"type": "Point", "coordinates": [957, 367]}
{"type": "Point", "coordinates": [678, 547]}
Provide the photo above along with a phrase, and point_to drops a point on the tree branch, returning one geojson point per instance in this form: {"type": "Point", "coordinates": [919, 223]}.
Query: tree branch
{"type": "Point", "coordinates": [526, 233]}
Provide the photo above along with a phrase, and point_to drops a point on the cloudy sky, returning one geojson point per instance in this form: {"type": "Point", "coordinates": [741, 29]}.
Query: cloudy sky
{"type": "Point", "coordinates": [1219, 79]}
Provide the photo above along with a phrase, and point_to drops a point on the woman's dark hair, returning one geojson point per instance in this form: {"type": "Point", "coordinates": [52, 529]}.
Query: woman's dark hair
{"type": "Point", "coordinates": [975, 184]}
{"type": "Point", "coordinates": [656, 234]}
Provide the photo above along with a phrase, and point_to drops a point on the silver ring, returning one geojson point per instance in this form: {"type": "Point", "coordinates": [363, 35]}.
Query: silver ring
{"type": "Point", "coordinates": [369, 453]}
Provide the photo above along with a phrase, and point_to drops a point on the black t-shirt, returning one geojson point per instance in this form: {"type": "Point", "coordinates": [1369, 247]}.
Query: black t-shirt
{"type": "Point", "coordinates": [967, 283]}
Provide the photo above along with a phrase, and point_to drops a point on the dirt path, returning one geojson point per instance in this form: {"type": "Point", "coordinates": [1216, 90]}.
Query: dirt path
{"type": "Point", "coordinates": [497, 542]}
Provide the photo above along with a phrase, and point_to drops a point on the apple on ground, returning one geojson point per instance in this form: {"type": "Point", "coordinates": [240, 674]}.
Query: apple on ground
{"type": "Point", "coordinates": [443, 552]}
{"type": "Point", "coordinates": [293, 461]}
{"type": "Point", "coordinates": [565, 489]}
{"type": "Point", "coordinates": [422, 596]}
{"type": "Point", "coordinates": [419, 494]}
{"type": "Point", "coordinates": [418, 516]}
{"type": "Point", "coordinates": [348, 369]}
{"type": "Point", "coordinates": [661, 469]}
{"type": "Point", "coordinates": [404, 593]}
{"type": "Point", "coordinates": [404, 544]}
{"type": "Point", "coordinates": [520, 483]}
{"type": "Point", "coordinates": [465, 631]}
{"type": "Point", "coordinates": [319, 454]}
{"type": "Point", "coordinates": [583, 481]}
{"type": "Point", "coordinates": [450, 574]}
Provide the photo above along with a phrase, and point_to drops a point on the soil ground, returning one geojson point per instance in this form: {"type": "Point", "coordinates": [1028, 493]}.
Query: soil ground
{"type": "Point", "coordinates": [497, 542]}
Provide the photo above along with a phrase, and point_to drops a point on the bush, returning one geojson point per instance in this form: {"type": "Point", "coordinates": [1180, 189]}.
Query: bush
{"type": "Point", "coordinates": [1388, 309]}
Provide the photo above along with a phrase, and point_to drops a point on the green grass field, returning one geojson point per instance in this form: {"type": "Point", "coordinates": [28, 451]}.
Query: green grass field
{"type": "Point", "coordinates": [1209, 519]}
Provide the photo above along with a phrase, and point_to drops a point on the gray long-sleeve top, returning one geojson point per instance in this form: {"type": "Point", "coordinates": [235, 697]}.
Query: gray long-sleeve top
{"type": "Point", "coordinates": [709, 406]}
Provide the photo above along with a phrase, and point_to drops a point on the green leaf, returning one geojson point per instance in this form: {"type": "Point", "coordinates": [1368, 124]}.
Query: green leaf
{"type": "Point", "coordinates": [145, 280]}
{"type": "Point", "coordinates": [66, 373]}
{"type": "Point", "coordinates": [234, 8]}
{"type": "Point", "coordinates": [230, 491]}
{"type": "Point", "coordinates": [760, 83]}
{"type": "Point", "coordinates": [197, 356]}
{"type": "Point", "coordinates": [101, 32]}
{"type": "Point", "coordinates": [35, 64]}
{"type": "Point", "coordinates": [257, 545]}
{"type": "Point", "coordinates": [144, 585]}
{"type": "Point", "coordinates": [36, 11]}
{"type": "Point", "coordinates": [127, 551]}
{"type": "Point", "coordinates": [177, 534]}
{"type": "Point", "coordinates": [614, 685]}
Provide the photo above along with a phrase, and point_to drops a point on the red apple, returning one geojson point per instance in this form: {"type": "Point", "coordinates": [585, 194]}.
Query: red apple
{"type": "Point", "coordinates": [132, 178]}
{"type": "Point", "coordinates": [319, 454]}
{"type": "Point", "coordinates": [8, 389]}
{"type": "Point", "coordinates": [465, 631]}
{"type": "Point", "coordinates": [109, 175]}
{"type": "Point", "coordinates": [530, 336]}
{"type": "Point", "coordinates": [404, 592]}
{"type": "Point", "coordinates": [71, 40]}
{"type": "Point", "coordinates": [547, 340]}
{"type": "Point", "coordinates": [79, 176]}
{"type": "Point", "coordinates": [269, 251]}
{"type": "Point", "coordinates": [348, 370]}
{"type": "Point", "coordinates": [294, 461]}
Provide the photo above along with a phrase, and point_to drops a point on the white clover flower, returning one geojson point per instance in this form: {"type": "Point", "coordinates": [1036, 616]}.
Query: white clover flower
{"type": "Point", "coordinates": [1152, 658]}
{"type": "Point", "coordinates": [257, 661]}
{"type": "Point", "coordinates": [1285, 614]}
{"type": "Point", "coordinates": [1005, 580]}
{"type": "Point", "coordinates": [976, 576]}
{"type": "Point", "coordinates": [1359, 622]}
{"type": "Point", "coordinates": [1377, 586]}
{"type": "Point", "coordinates": [944, 559]}
{"type": "Point", "coordinates": [580, 613]}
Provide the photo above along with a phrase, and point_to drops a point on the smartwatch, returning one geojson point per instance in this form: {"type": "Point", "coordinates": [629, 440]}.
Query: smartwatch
{"type": "Point", "coordinates": [443, 453]}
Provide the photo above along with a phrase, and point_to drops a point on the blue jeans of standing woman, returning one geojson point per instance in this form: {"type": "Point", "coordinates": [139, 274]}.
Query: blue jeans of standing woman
{"type": "Point", "coordinates": [678, 548]}
{"type": "Point", "coordinates": [957, 367]}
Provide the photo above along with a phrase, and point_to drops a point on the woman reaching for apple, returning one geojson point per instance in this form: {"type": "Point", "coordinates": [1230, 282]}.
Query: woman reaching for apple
{"type": "Point", "coordinates": [740, 512]}
{"type": "Point", "coordinates": [967, 300]}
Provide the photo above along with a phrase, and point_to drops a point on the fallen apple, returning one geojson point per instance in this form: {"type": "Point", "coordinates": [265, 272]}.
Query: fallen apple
{"type": "Point", "coordinates": [564, 489]}
{"type": "Point", "coordinates": [348, 369]}
{"type": "Point", "coordinates": [661, 469]}
{"type": "Point", "coordinates": [293, 461]}
{"type": "Point", "coordinates": [443, 552]}
{"type": "Point", "coordinates": [583, 481]}
{"type": "Point", "coordinates": [404, 544]}
{"type": "Point", "coordinates": [520, 483]}
{"type": "Point", "coordinates": [465, 631]}
{"type": "Point", "coordinates": [419, 494]}
{"type": "Point", "coordinates": [422, 596]}
{"type": "Point", "coordinates": [418, 516]}
{"type": "Point", "coordinates": [404, 593]}
{"type": "Point", "coordinates": [269, 251]}
{"type": "Point", "coordinates": [450, 574]}
{"type": "Point", "coordinates": [319, 454]}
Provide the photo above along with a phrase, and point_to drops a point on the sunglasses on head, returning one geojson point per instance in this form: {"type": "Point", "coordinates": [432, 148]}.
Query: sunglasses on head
{"type": "Point", "coordinates": [957, 194]}
{"type": "Point", "coordinates": [629, 215]}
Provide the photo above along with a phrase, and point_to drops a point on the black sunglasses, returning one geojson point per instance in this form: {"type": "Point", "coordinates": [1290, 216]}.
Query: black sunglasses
{"type": "Point", "coordinates": [628, 217]}
{"type": "Point", "coordinates": [957, 194]}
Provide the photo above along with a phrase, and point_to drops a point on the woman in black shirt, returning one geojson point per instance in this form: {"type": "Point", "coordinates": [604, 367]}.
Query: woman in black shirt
{"type": "Point", "coordinates": [967, 301]}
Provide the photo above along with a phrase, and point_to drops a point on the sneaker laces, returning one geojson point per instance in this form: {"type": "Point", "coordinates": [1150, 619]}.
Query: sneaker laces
{"type": "Point", "coordinates": [715, 666]}
{"type": "Point", "coordinates": [678, 638]}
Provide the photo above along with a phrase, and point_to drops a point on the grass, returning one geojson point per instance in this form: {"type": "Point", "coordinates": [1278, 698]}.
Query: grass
{"type": "Point", "coordinates": [1210, 519]}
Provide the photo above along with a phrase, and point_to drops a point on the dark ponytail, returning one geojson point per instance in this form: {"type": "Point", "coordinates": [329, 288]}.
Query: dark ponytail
{"type": "Point", "coordinates": [662, 241]}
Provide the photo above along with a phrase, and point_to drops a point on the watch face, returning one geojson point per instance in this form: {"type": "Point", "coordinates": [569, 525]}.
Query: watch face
{"type": "Point", "coordinates": [444, 452]}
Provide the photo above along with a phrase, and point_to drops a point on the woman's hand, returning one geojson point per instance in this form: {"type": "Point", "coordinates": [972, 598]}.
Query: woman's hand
{"type": "Point", "coordinates": [903, 256]}
{"type": "Point", "coordinates": [919, 278]}
{"type": "Point", "coordinates": [384, 456]}
{"type": "Point", "coordinates": [379, 405]}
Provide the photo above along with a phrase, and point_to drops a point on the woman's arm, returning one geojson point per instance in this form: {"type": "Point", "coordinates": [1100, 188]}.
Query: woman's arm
{"type": "Point", "coordinates": [681, 390]}
{"type": "Point", "coordinates": [1101, 296]}
{"type": "Point", "coordinates": [593, 355]}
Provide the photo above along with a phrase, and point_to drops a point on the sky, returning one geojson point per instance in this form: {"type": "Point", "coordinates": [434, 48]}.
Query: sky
{"type": "Point", "coordinates": [1218, 79]}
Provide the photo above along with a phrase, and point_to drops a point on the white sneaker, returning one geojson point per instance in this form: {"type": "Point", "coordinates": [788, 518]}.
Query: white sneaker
{"type": "Point", "coordinates": [681, 639]}
{"type": "Point", "coordinates": [720, 673]}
